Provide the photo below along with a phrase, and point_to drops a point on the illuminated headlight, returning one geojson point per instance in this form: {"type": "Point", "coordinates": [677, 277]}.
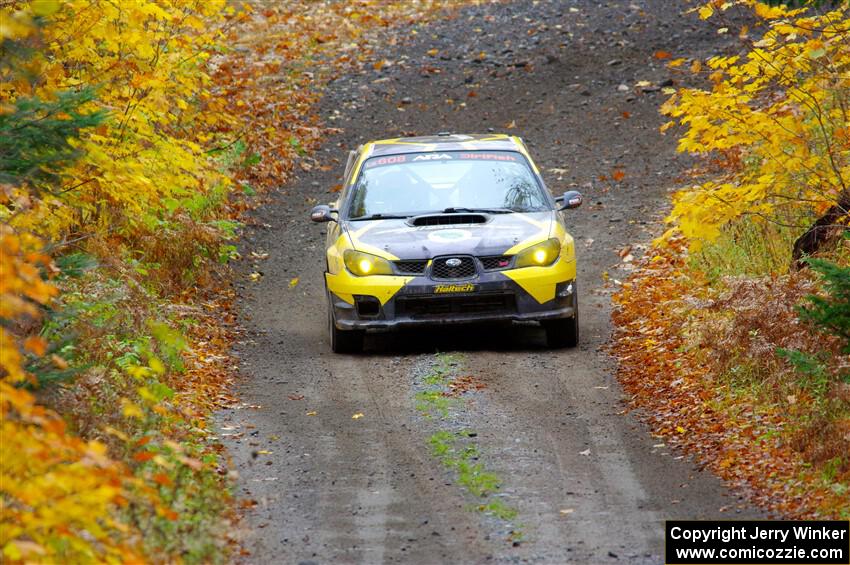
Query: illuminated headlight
{"type": "Point", "coordinates": [539, 255]}
{"type": "Point", "coordinates": [365, 264]}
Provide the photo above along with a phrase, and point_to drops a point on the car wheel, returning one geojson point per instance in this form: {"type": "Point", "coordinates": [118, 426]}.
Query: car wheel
{"type": "Point", "coordinates": [564, 332]}
{"type": "Point", "coordinates": [343, 341]}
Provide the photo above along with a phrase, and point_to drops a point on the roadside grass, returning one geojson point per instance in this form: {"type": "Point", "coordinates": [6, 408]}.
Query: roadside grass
{"type": "Point", "coordinates": [713, 344]}
{"type": "Point", "coordinates": [132, 379]}
{"type": "Point", "coordinates": [136, 358]}
{"type": "Point", "coordinates": [751, 247]}
{"type": "Point", "coordinates": [758, 347]}
{"type": "Point", "coordinates": [457, 450]}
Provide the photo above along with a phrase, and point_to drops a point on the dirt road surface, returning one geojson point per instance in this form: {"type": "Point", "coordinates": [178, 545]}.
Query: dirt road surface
{"type": "Point", "coordinates": [590, 484]}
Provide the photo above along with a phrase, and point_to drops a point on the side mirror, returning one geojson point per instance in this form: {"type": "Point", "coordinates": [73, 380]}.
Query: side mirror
{"type": "Point", "coordinates": [322, 213]}
{"type": "Point", "coordinates": [570, 199]}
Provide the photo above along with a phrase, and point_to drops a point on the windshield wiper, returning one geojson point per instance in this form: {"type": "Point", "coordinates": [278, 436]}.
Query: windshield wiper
{"type": "Point", "coordinates": [461, 209]}
{"type": "Point", "coordinates": [381, 217]}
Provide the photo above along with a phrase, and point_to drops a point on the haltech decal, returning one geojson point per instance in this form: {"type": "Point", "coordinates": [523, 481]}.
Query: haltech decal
{"type": "Point", "coordinates": [446, 288]}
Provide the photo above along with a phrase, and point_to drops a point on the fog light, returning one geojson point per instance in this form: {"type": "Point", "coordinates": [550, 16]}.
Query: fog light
{"type": "Point", "coordinates": [565, 291]}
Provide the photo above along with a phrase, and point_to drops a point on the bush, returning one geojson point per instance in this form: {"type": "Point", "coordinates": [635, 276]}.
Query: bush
{"type": "Point", "coordinates": [831, 313]}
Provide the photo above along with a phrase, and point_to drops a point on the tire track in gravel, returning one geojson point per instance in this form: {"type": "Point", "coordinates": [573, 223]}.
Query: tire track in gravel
{"type": "Point", "coordinates": [343, 490]}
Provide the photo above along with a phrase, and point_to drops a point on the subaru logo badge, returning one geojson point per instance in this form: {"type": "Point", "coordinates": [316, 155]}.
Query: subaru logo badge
{"type": "Point", "coordinates": [453, 262]}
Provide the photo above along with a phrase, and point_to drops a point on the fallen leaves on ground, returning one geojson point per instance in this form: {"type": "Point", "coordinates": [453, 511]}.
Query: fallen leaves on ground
{"type": "Point", "coordinates": [462, 384]}
{"type": "Point", "coordinates": [660, 368]}
{"type": "Point", "coordinates": [282, 55]}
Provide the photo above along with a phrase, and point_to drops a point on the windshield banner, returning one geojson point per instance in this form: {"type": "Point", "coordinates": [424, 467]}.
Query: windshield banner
{"type": "Point", "coordinates": [446, 156]}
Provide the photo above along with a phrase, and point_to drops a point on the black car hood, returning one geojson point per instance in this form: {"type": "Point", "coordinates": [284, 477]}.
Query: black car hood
{"type": "Point", "coordinates": [496, 235]}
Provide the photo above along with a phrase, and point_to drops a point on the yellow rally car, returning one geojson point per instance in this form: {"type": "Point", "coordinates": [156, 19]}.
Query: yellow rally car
{"type": "Point", "coordinates": [447, 229]}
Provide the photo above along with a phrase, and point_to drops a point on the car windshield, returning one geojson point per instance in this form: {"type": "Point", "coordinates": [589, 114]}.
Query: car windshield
{"type": "Point", "coordinates": [453, 181]}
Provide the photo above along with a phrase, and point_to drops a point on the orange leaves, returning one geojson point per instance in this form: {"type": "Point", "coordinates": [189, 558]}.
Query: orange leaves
{"type": "Point", "coordinates": [35, 345]}
{"type": "Point", "coordinates": [57, 490]}
{"type": "Point", "coordinates": [162, 480]}
{"type": "Point", "coordinates": [327, 38]}
{"type": "Point", "coordinates": [661, 55]}
{"type": "Point", "coordinates": [22, 290]}
{"type": "Point", "coordinates": [668, 355]}
{"type": "Point", "coordinates": [143, 456]}
{"type": "Point", "coordinates": [617, 175]}
{"type": "Point", "coordinates": [21, 286]}
{"type": "Point", "coordinates": [462, 384]}
{"type": "Point", "coordinates": [167, 513]}
{"type": "Point", "coordinates": [181, 111]}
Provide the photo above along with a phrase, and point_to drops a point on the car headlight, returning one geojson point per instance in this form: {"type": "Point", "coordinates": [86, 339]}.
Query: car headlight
{"type": "Point", "coordinates": [364, 264]}
{"type": "Point", "coordinates": [539, 255]}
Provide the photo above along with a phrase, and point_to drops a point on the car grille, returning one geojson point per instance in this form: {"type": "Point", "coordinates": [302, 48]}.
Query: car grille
{"type": "Point", "coordinates": [465, 270]}
{"type": "Point", "coordinates": [436, 306]}
{"type": "Point", "coordinates": [416, 267]}
{"type": "Point", "coordinates": [441, 271]}
{"type": "Point", "coordinates": [496, 263]}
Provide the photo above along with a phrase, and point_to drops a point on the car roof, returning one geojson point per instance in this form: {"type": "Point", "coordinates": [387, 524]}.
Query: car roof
{"type": "Point", "coordinates": [443, 142]}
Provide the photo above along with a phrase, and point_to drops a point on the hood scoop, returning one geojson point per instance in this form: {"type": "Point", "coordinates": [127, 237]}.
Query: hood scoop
{"type": "Point", "coordinates": [447, 219]}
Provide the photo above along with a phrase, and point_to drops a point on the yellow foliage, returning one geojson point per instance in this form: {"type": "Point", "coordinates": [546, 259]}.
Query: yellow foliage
{"type": "Point", "coordinates": [145, 59]}
{"type": "Point", "coordinates": [58, 492]}
{"type": "Point", "coordinates": [148, 63]}
{"type": "Point", "coordinates": [775, 118]}
{"type": "Point", "coordinates": [21, 290]}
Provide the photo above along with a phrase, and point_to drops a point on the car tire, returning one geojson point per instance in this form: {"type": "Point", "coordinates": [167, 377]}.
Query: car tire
{"type": "Point", "coordinates": [343, 341]}
{"type": "Point", "coordinates": [564, 332]}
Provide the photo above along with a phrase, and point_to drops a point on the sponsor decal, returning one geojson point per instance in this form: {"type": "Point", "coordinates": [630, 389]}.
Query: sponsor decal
{"type": "Point", "coordinates": [489, 156]}
{"type": "Point", "coordinates": [432, 157]}
{"type": "Point", "coordinates": [388, 160]}
{"type": "Point", "coordinates": [447, 288]}
{"type": "Point", "coordinates": [449, 236]}
{"type": "Point", "coordinates": [418, 157]}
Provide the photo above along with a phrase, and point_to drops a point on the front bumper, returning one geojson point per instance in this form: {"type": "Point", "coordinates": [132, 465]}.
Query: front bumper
{"type": "Point", "coordinates": [492, 296]}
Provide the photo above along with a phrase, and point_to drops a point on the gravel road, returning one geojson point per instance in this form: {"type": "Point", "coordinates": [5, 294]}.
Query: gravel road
{"type": "Point", "coordinates": [590, 484]}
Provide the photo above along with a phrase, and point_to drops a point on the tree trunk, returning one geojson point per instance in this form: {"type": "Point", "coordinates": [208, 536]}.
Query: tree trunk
{"type": "Point", "coordinates": [823, 230]}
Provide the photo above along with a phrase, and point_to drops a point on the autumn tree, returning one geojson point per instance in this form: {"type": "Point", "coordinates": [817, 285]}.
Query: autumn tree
{"type": "Point", "coordinates": [96, 132]}
{"type": "Point", "coordinates": [775, 120]}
